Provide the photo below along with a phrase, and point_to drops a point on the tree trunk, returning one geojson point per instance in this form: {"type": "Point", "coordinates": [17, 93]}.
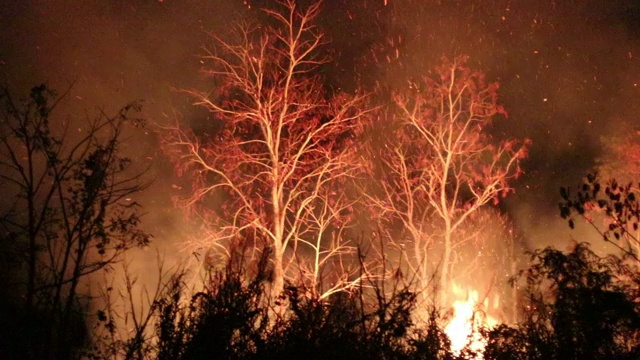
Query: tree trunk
{"type": "Point", "coordinates": [446, 259]}
{"type": "Point", "coordinates": [278, 273]}
{"type": "Point", "coordinates": [278, 230]}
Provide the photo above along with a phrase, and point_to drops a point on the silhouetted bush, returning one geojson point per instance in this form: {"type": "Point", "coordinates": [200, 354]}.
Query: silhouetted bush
{"type": "Point", "coordinates": [581, 306]}
{"type": "Point", "coordinates": [431, 343]}
{"type": "Point", "coordinates": [232, 318]}
{"type": "Point", "coordinates": [227, 320]}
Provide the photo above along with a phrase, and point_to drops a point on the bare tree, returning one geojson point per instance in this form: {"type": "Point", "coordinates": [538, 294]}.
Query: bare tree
{"type": "Point", "coordinates": [441, 165]}
{"type": "Point", "coordinates": [68, 206]}
{"type": "Point", "coordinates": [270, 164]}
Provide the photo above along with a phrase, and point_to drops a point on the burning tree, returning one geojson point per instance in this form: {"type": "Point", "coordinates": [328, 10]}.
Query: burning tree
{"type": "Point", "coordinates": [441, 165]}
{"type": "Point", "coordinates": [279, 145]}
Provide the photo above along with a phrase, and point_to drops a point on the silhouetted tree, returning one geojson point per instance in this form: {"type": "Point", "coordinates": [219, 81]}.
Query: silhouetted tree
{"type": "Point", "coordinates": [67, 211]}
{"type": "Point", "coordinates": [580, 306]}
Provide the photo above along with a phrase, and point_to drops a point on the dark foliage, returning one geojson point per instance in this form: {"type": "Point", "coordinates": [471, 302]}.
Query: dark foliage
{"type": "Point", "coordinates": [432, 343]}
{"type": "Point", "coordinates": [619, 205]}
{"type": "Point", "coordinates": [64, 215]}
{"type": "Point", "coordinates": [232, 320]}
{"type": "Point", "coordinates": [580, 306]}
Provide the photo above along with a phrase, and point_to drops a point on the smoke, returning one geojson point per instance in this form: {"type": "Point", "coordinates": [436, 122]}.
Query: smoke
{"type": "Point", "coordinates": [569, 72]}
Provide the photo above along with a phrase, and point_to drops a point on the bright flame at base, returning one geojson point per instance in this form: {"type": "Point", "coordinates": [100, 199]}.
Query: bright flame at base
{"type": "Point", "coordinates": [468, 317]}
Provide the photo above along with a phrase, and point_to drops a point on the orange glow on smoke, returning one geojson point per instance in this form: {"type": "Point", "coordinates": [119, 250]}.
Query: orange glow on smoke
{"type": "Point", "coordinates": [469, 315]}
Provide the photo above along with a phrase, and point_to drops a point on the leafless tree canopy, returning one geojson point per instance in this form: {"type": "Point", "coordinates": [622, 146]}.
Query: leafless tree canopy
{"type": "Point", "coordinates": [280, 144]}
{"type": "Point", "coordinates": [441, 165]}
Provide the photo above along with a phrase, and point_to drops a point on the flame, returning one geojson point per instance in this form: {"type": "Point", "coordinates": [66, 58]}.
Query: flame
{"type": "Point", "coordinates": [469, 316]}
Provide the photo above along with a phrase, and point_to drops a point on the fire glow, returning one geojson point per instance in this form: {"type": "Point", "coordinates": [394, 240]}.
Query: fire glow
{"type": "Point", "coordinates": [469, 316]}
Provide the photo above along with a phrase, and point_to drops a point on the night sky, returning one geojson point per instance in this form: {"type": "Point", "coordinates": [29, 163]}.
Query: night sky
{"type": "Point", "coordinates": [569, 70]}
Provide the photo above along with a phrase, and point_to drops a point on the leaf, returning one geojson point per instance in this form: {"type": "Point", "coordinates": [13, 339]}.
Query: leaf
{"type": "Point", "coordinates": [102, 316]}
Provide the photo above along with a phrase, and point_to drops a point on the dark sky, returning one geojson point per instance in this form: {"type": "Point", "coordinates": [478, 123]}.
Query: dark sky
{"type": "Point", "coordinates": [569, 70]}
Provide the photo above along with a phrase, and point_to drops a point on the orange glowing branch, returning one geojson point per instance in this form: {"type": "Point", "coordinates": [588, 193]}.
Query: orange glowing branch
{"type": "Point", "coordinates": [440, 166]}
{"type": "Point", "coordinates": [278, 145]}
